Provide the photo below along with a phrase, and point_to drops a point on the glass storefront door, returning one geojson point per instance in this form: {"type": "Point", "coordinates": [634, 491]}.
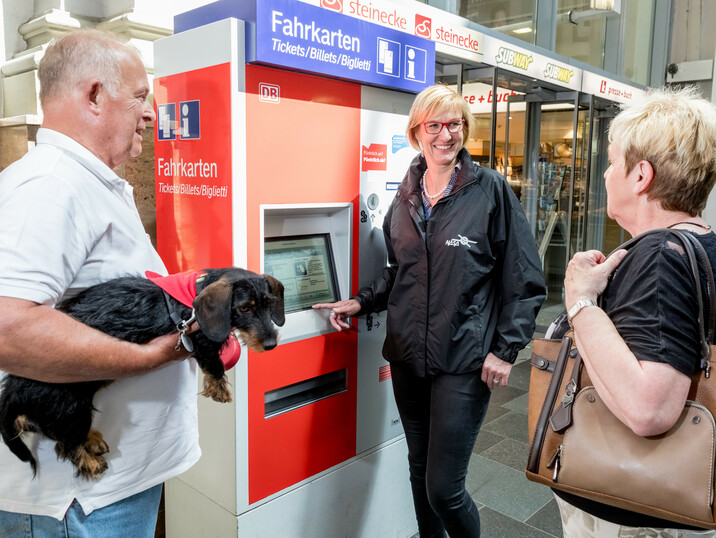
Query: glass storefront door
{"type": "Point", "coordinates": [538, 142]}
{"type": "Point", "coordinates": [554, 185]}
{"type": "Point", "coordinates": [602, 233]}
{"type": "Point", "coordinates": [551, 146]}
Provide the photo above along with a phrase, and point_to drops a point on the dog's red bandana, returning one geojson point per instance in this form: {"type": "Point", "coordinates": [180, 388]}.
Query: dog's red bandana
{"type": "Point", "coordinates": [182, 287]}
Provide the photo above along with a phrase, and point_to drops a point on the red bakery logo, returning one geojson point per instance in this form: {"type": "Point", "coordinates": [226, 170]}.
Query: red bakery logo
{"type": "Point", "coordinates": [336, 5]}
{"type": "Point", "coordinates": [374, 157]}
{"type": "Point", "coordinates": [423, 26]}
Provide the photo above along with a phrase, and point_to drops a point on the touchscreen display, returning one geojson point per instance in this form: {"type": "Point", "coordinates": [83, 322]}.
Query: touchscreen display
{"type": "Point", "coordinates": [304, 265]}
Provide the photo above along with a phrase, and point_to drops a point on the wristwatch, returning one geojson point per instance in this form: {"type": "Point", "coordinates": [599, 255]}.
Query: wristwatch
{"type": "Point", "coordinates": [577, 308]}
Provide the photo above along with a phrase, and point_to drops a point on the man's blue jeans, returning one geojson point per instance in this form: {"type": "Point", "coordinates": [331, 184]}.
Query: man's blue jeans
{"type": "Point", "coordinates": [135, 516]}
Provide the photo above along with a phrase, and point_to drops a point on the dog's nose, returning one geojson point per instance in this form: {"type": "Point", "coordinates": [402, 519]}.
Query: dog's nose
{"type": "Point", "coordinates": [269, 344]}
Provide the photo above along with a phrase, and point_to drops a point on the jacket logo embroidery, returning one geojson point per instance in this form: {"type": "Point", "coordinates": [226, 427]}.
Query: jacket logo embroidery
{"type": "Point", "coordinates": [464, 241]}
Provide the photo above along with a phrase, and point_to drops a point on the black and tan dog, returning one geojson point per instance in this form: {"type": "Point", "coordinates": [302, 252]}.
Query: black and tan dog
{"type": "Point", "coordinates": [137, 310]}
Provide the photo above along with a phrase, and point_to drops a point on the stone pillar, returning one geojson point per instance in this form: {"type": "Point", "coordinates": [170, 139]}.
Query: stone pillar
{"type": "Point", "coordinates": [17, 137]}
{"type": "Point", "coordinates": [20, 86]}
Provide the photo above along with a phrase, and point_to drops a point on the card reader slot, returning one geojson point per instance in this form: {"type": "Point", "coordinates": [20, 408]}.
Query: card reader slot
{"type": "Point", "coordinates": [290, 397]}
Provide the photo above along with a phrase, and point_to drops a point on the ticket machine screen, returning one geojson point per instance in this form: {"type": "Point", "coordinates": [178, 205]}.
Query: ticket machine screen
{"type": "Point", "coordinates": [304, 264]}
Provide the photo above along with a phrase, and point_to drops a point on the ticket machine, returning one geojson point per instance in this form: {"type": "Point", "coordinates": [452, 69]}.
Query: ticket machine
{"type": "Point", "coordinates": [279, 146]}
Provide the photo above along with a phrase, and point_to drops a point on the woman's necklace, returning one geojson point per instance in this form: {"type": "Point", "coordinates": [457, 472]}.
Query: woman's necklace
{"type": "Point", "coordinates": [425, 189]}
{"type": "Point", "coordinates": [704, 226]}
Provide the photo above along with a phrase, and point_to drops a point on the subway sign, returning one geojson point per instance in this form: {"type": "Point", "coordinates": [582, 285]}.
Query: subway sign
{"type": "Point", "coordinates": [519, 60]}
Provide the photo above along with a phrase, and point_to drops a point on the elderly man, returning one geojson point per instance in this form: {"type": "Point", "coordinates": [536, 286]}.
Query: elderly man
{"type": "Point", "coordinates": [67, 221]}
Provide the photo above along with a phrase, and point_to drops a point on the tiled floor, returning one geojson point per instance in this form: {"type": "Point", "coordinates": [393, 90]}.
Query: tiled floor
{"type": "Point", "coordinates": [510, 505]}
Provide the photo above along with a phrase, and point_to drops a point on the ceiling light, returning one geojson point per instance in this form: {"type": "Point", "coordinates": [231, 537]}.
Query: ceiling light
{"type": "Point", "coordinates": [522, 30]}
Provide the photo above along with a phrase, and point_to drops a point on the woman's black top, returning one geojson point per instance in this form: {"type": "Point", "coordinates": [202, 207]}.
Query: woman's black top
{"type": "Point", "coordinates": [651, 301]}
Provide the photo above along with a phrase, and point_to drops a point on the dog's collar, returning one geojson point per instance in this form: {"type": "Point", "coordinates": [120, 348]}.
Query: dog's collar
{"type": "Point", "coordinates": [182, 287]}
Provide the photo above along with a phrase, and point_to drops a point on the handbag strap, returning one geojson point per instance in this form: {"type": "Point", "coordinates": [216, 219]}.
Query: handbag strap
{"type": "Point", "coordinates": [710, 286]}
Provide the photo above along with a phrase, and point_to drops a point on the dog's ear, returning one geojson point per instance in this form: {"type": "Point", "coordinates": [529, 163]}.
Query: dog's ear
{"type": "Point", "coordinates": [213, 310]}
{"type": "Point", "coordinates": [277, 314]}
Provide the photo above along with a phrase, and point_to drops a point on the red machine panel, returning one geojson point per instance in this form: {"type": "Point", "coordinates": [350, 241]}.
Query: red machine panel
{"type": "Point", "coordinates": [192, 160]}
{"type": "Point", "coordinates": [318, 163]}
{"type": "Point", "coordinates": [293, 446]}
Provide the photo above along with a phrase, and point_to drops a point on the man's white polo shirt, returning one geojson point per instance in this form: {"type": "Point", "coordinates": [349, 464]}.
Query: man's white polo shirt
{"type": "Point", "coordinates": [67, 221]}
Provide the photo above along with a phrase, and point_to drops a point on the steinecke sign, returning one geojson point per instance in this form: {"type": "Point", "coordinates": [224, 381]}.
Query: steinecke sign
{"type": "Point", "coordinates": [419, 19]}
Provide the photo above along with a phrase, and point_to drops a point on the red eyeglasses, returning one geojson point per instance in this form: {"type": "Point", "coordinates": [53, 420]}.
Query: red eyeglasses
{"type": "Point", "coordinates": [435, 127]}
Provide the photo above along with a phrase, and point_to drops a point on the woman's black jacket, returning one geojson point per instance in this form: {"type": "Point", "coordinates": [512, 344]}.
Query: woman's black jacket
{"type": "Point", "coordinates": [464, 283]}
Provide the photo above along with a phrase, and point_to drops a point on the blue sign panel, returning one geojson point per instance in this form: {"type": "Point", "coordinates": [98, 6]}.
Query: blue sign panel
{"type": "Point", "coordinates": [297, 35]}
{"type": "Point", "coordinates": [301, 36]}
{"type": "Point", "coordinates": [166, 122]}
{"type": "Point", "coordinates": [189, 120]}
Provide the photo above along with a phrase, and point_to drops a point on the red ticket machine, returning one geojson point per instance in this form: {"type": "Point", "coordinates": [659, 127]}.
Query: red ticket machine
{"type": "Point", "coordinates": [290, 174]}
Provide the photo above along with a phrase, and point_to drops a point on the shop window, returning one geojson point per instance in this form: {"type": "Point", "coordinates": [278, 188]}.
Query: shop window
{"type": "Point", "coordinates": [585, 40]}
{"type": "Point", "coordinates": [636, 60]}
{"type": "Point", "coordinates": [512, 17]}
{"type": "Point", "coordinates": [589, 30]}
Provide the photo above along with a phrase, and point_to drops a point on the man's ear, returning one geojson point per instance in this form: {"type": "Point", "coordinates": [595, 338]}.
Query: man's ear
{"type": "Point", "coordinates": [645, 175]}
{"type": "Point", "coordinates": [93, 94]}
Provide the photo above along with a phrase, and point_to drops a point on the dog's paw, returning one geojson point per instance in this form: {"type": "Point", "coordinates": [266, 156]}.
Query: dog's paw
{"type": "Point", "coordinates": [88, 465]}
{"type": "Point", "coordinates": [217, 389]}
{"type": "Point", "coordinates": [91, 467]}
{"type": "Point", "coordinates": [96, 444]}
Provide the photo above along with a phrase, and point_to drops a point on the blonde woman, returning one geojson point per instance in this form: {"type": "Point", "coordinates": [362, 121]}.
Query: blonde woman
{"type": "Point", "coordinates": [462, 289]}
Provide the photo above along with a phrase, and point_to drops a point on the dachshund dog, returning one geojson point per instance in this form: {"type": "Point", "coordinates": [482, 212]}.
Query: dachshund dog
{"type": "Point", "coordinates": [137, 310]}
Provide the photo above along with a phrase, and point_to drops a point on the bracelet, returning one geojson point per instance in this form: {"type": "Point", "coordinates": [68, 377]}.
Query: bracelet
{"type": "Point", "coordinates": [577, 308]}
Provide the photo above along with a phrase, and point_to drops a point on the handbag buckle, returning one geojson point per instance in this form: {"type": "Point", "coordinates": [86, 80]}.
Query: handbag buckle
{"type": "Point", "coordinates": [568, 396]}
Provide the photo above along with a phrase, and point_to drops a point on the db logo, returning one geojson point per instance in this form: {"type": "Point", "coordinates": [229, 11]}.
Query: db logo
{"type": "Point", "coordinates": [603, 87]}
{"type": "Point", "coordinates": [336, 5]}
{"type": "Point", "coordinates": [269, 93]}
{"type": "Point", "coordinates": [423, 26]}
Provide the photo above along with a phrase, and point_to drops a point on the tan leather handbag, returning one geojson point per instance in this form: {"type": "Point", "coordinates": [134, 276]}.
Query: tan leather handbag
{"type": "Point", "coordinates": [577, 445]}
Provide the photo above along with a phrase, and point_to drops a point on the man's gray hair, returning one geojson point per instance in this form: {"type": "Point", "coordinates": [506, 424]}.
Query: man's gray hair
{"type": "Point", "coordinates": [73, 58]}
